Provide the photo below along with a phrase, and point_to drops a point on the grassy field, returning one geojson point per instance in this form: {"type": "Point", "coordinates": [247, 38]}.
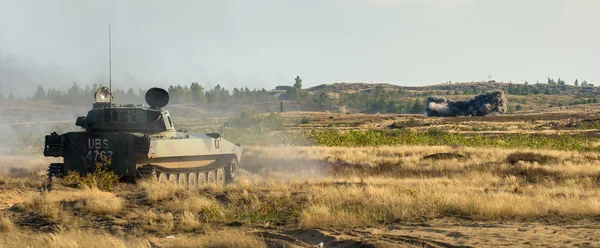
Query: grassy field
{"type": "Point", "coordinates": [347, 180]}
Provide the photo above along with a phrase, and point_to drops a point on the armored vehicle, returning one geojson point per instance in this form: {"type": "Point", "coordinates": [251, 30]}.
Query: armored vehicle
{"type": "Point", "coordinates": [137, 141]}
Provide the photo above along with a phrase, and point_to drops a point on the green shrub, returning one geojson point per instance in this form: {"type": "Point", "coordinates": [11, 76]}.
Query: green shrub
{"type": "Point", "coordinates": [435, 137]}
{"type": "Point", "coordinates": [304, 120]}
{"type": "Point", "coordinates": [100, 178]}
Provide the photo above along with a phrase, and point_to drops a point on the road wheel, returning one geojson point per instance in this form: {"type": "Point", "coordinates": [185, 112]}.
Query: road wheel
{"type": "Point", "coordinates": [230, 171]}
{"type": "Point", "coordinates": [220, 176]}
{"type": "Point", "coordinates": [211, 177]}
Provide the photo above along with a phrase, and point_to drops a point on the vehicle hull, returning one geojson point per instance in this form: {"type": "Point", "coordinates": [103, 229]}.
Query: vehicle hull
{"type": "Point", "coordinates": [126, 153]}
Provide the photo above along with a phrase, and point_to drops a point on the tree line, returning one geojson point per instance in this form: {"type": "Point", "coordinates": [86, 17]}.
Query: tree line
{"type": "Point", "coordinates": [76, 95]}
{"type": "Point", "coordinates": [217, 95]}
{"type": "Point", "coordinates": [194, 93]}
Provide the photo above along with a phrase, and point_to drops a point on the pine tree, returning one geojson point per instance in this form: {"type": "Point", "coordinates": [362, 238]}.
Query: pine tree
{"type": "Point", "coordinates": [130, 96]}
{"type": "Point", "coordinates": [298, 82]}
{"type": "Point", "coordinates": [198, 94]}
{"type": "Point", "coordinates": [40, 94]}
{"type": "Point", "coordinates": [417, 107]}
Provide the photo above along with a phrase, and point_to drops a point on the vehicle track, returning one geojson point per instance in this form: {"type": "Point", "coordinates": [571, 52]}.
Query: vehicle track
{"type": "Point", "coordinates": [220, 173]}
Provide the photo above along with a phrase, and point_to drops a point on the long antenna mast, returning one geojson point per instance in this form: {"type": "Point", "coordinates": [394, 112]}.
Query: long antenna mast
{"type": "Point", "coordinates": [109, 66]}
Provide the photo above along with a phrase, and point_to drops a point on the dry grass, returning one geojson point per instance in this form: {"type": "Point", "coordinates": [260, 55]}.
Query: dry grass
{"type": "Point", "coordinates": [335, 187]}
{"type": "Point", "coordinates": [380, 202]}
{"type": "Point", "coordinates": [159, 223]}
{"type": "Point", "coordinates": [6, 225]}
{"type": "Point", "coordinates": [96, 201]}
{"type": "Point", "coordinates": [220, 239]}
{"type": "Point", "coordinates": [49, 205]}
{"type": "Point", "coordinates": [365, 186]}
{"type": "Point", "coordinates": [193, 207]}
{"type": "Point", "coordinates": [189, 222]}
{"type": "Point", "coordinates": [160, 191]}
{"type": "Point", "coordinates": [206, 209]}
{"type": "Point", "coordinates": [70, 239]}
{"type": "Point", "coordinates": [44, 206]}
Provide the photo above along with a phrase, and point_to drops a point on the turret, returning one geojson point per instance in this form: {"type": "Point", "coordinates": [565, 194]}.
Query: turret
{"type": "Point", "coordinates": [106, 116]}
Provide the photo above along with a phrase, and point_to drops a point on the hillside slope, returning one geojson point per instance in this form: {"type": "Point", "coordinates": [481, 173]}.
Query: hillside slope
{"type": "Point", "coordinates": [479, 86]}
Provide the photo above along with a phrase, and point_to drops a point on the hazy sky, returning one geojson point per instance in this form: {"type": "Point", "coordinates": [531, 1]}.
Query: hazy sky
{"type": "Point", "coordinates": [259, 43]}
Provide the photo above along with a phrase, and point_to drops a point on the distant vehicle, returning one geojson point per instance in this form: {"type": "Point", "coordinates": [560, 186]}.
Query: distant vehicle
{"type": "Point", "coordinates": [137, 141]}
{"type": "Point", "coordinates": [283, 87]}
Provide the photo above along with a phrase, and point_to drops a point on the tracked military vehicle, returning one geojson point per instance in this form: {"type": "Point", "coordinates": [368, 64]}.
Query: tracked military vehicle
{"type": "Point", "coordinates": [137, 141]}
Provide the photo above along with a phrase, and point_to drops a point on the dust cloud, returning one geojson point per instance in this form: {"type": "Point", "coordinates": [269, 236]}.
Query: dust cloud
{"type": "Point", "coordinates": [490, 103]}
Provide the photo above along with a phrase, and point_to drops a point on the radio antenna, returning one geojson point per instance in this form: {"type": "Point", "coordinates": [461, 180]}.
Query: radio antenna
{"type": "Point", "coordinates": [109, 65]}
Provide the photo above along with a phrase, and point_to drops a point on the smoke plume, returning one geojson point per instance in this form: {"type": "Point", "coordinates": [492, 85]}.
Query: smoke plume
{"type": "Point", "coordinates": [485, 104]}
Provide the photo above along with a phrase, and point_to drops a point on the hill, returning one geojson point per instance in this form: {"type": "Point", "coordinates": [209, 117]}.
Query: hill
{"type": "Point", "coordinates": [389, 98]}
{"type": "Point", "coordinates": [344, 87]}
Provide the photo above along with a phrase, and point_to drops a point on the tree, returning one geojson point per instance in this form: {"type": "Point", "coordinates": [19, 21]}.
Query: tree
{"type": "Point", "coordinates": [525, 90]}
{"type": "Point", "coordinates": [130, 96]}
{"type": "Point", "coordinates": [1, 97]}
{"type": "Point", "coordinates": [392, 107]}
{"type": "Point", "coordinates": [40, 94]}
{"type": "Point", "coordinates": [74, 90]}
{"type": "Point", "coordinates": [298, 82]}
{"type": "Point", "coordinates": [417, 107]}
{"type": "Point", "coordinates": [322, 97]}
{"type": "Point", "coordinates": [141, 93]}
{"type": "Point", "coordinates": [560, 82]}
{"type": "Point", "coordinates": [10, 97]}
{"type": "Point", "coordinates": [198, 94]}
{"type": "Point", "coordinates": [576, 83]}
{"type": "Point", "coordinates": [379, 91]}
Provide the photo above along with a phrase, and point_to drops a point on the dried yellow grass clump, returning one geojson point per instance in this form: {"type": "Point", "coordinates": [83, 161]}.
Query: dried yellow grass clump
{"type": "Point", "coordinates": [206, 209]}
{"type": "Point", "coordinates": [161, 223]}
{"type": "Point", "coordinates": [6, 225]}
{"type": "Point", "coordinates": [220, 239]}
{"type": "Point", "coordinates": [92, 200]}
{"type": "Point", "coordinates": [189, 222]}
{"type": "Point", "coordinates": [43, 205]}
{"type": "Point", "coordinates": [70, 239]}
{"type": "Point", "coordinates": [99, 202]}
{"type": "Point", "coordinates": [159, 191]}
